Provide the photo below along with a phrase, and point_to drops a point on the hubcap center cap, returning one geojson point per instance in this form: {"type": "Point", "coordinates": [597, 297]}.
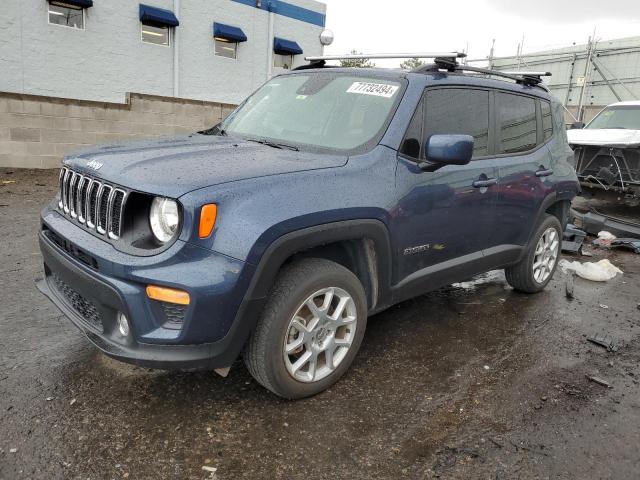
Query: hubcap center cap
{"type": "Point", "coordinates": [322, 334]}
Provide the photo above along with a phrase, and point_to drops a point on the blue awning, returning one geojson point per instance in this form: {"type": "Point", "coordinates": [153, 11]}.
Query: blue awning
{"type": "Point", "coordinates": [78, 3]}
{"type": "Point", "coordinates": [233, 34]}
{"type": "Point", "coordinates": [157, 16]}
{"type": "Point", "coordinates": [286, 47]}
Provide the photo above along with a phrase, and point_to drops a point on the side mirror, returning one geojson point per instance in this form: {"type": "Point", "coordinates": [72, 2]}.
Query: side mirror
{"type": "Point", "coordinates": [577, 125]}
{"type": "Point", "coordinates": [449, 149]}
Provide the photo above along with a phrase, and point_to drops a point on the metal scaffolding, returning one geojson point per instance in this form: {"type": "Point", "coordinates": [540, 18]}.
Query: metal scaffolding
{"type": "Point", "coordinates": [585, 78]}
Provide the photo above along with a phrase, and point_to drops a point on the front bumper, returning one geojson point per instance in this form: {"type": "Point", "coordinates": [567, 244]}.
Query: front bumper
{"type": "Point", "coordinates": [90, 283]}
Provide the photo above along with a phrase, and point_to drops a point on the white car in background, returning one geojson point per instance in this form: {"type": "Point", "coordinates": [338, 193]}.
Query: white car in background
{"type": "Point", "coordinates": [607, 149]}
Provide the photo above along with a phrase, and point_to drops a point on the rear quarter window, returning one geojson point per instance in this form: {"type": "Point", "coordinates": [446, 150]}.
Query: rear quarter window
{"type": "Point", "coordinates": [517, 123]}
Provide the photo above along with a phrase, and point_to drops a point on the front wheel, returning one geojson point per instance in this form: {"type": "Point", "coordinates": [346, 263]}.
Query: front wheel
{"type": "Point", "coordinates": [310, 330]}
{"type": "Point", "coordinates": [535, 270]}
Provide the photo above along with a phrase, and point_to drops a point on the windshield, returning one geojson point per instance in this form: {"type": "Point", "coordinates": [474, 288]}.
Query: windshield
{"type": "Point", "coordinates": [325, 110]}
{"type": "Point", "coordinates": [627, 117]}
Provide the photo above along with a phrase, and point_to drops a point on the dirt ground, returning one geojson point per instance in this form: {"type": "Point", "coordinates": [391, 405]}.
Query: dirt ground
{"type": "Point", "coordinates": [472, 381]}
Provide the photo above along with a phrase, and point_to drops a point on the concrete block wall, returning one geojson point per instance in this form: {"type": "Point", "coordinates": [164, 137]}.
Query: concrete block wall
{"type": "Point", "coordinates": [36, 131]}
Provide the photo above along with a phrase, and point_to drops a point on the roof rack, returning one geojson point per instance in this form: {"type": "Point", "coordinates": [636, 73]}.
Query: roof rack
{"type": "Point", "coordinates": [448, 58]}
{"type": "Point", "coordinates": [383, 56]}
{"type": "Point", "coordinates": [527, 74]}
{"type": "Point", "coordinates": [533, 79]}
{"type": "Point", "coordinates": [441, 61]}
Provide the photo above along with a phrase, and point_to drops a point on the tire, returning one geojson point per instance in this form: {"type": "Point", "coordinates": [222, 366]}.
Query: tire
{"type": "Point", "coordinates": [521, 276]}
{"type": "Point", "coordinates": [297, 283]}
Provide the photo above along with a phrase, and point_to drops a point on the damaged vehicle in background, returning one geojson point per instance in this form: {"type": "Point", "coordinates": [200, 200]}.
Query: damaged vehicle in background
{"type": "Point", "coordinates": [607, 159]}
{"type": "Point", "coordinates": [607, 150]}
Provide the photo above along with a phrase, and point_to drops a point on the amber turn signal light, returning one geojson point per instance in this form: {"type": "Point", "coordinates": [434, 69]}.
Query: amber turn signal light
{"type": "Point", "coordinates": [208, 215]}
{"type": "Point", "coordinates": [169, 295]}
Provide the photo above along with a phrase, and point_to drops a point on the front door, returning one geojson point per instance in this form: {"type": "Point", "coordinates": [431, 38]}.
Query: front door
{"type": "Point", "coordinates": [444, 218]}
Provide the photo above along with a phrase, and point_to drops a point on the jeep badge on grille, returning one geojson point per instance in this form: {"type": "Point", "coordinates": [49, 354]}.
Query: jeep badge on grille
{"type": "Point", "coordinates": [94, 165]}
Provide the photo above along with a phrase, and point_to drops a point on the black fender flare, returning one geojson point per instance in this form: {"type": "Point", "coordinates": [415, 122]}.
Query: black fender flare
{"type": "Point", "coordinates": [299, 240]}
{"type": "Point", "coordinates": [544, 206]}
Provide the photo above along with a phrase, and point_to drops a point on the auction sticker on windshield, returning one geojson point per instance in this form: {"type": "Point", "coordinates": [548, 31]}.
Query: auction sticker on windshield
{"type": "Point", "coordinates": [377, 89]}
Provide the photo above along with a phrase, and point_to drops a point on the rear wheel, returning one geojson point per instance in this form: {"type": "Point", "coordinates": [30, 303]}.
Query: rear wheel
{"type": "Point", "coordinates": [535, 270]}
{"type": "Point", "coordinates": [310, 330]}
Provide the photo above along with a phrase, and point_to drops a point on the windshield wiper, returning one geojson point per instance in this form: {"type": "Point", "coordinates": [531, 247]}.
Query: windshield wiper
{"type": "Point", "coordinates": [281, 146]}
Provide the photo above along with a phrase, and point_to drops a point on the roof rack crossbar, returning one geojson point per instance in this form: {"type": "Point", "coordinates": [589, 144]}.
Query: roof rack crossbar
{"type": "Point", "coordinates": [382, 56]}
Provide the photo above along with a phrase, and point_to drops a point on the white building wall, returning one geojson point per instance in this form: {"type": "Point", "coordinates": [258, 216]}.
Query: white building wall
{"type": "Point", "coordinates": [108, 58]}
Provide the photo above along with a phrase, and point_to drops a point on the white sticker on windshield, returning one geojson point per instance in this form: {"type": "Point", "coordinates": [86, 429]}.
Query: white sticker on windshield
{"type": "Point", "coordinates": [377, 89]}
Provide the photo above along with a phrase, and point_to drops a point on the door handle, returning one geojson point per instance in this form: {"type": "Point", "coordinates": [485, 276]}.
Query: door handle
{"type": "Point", "coordinates": [544, 172]}
{"type": "Point", "coordinates": [485, 183]}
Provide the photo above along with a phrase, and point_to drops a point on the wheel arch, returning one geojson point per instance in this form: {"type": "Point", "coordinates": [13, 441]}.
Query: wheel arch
{"type": "Point", "coordinates": [553, 204]}
{"type": "Point", "coordinates": [559, 208]}
{"type": "Point", "coordinates": [362, 246]}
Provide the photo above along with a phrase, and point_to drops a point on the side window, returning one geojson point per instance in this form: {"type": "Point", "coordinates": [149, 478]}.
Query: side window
{"type": "Point", "coordinates": [459, 111]}
{"type": "Point", "coordinates": [547, 119]}
{"type": "Point", "coordinates": [517, 120]}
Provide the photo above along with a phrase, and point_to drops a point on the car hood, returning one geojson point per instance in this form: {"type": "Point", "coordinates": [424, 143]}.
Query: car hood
{"type": "Point", "coordinates": [618, 137]}
{"type": "Point", "coordinates": [174, 166]}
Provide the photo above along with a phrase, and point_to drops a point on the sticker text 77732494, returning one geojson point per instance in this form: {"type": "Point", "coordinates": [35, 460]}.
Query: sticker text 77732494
{"type": "Point", "coordinates": [377, 89]}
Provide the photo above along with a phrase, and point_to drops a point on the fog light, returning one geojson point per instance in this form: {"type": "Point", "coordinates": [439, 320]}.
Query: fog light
{"type": "Point", "coordinates": [123, 325]}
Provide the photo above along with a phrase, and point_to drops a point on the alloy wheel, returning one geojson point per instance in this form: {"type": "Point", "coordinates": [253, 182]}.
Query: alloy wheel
{"type": "Point", "coordinates": [546, 255]}
{"type": "Point", "coordinates": [320, 334]}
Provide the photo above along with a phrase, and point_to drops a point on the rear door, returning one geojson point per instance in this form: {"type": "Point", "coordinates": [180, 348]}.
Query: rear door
{"type": "Point", "coordinates": [524, 164]}
{"type": "Point", "coordinates": [445, 217]}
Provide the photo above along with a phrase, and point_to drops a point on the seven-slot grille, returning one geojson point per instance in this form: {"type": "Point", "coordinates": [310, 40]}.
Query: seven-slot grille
{"type": "Point", "coordinates": [95, 204]}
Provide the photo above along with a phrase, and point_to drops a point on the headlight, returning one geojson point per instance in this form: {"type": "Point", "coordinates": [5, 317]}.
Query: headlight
{"type": "Point", "coordinates": [164, 218]}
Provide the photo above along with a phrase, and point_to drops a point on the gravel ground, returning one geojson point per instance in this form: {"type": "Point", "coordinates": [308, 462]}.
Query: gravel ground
{"type": "Point", "coordinates": [471, 381]}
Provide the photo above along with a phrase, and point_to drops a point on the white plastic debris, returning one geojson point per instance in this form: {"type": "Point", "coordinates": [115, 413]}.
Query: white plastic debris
{"type": "Point", "coordinates": [488, 277]}
{"type": "Point", "coordinates": [604, 235]}
{"type": "Point", "coordinates": [601, 271]}
{"type": "Point", "coordinates": [212, 472]}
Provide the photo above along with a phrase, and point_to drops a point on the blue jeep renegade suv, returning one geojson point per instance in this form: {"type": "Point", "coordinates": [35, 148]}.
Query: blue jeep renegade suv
{"type": "Point", "coordinates": [329, 195]}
